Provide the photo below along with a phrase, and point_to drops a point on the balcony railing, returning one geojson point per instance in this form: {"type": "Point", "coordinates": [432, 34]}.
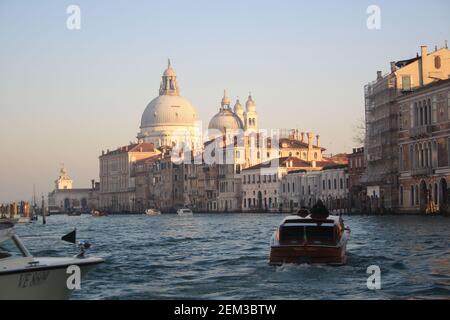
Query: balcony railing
{"type": "Point", "coordinates": [422, 171]}
{"type": "Point", "coordinates": [420, 131]}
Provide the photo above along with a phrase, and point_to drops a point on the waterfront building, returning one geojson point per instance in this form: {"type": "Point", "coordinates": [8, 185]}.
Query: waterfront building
{"type": "Point", "coordinates": [166, 186]}
{"type": "Point", "coordinates": [64, 198]}
{"type": "Point", "coordinates": [117, 185]}
{"type": "Point", "coordinates": [300, 188]}
{"type": "Point", "coordinates": [356, 167]}
{"type": "Point", "coordinates": [335, 188]}
{"type": "Point", "coordinates": [261, 183]}
{"type": "Point", "coordinates": [424, 148]}
{"type": "Point", "coordinates": [140, 172]}
{"type": "Point", "coordinates": [170, 119]}
{"type": "Point", "coordinates": [294, 144]}
{"type": "Point", "coordinates": [382, 119]}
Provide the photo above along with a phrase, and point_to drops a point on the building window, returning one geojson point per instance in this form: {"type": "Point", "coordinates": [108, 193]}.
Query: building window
{"type": "Point", "coordinates": [335, 184]}
{"type": "Point", "coordinates": [341, 183]}
{"type": "Point", "coordinates": [437, 62]}
{"type": "Point", "coordinates": [323, 184]}
{"type": "Point", "coordinates": [412, 196]}
{"type": "Point", "coordinates": [406, 83]}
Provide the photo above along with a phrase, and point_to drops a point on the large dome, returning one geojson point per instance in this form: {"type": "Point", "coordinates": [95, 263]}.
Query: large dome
{"type": "Point", "coordinates": [168, 110]}
{"type": "Point", "coordinates": [170, 119]}
{"type": "Point", "coordinates": [224, 120]}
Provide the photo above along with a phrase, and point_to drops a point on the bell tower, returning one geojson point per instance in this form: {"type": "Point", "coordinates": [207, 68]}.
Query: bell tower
{"type": "Point", "coordinates": [250, 115]}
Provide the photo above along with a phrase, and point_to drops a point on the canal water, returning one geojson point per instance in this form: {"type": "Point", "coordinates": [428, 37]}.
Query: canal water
{"type": "Point", "coordinates": [211, 256]}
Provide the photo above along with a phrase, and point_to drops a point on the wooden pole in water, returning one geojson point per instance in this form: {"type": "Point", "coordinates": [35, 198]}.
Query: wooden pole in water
{"type": "Point", "coordinates": [43, 211]}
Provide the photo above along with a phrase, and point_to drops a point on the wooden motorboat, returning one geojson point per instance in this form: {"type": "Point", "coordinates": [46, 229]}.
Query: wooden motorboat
{"type": "Point", "coordinates": [310, 238]}
{"type": "Point", "coordinates": [152, 212]}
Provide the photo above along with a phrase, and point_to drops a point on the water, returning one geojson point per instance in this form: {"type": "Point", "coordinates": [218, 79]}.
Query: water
{"type": "Point", "coordinates": [214, 256]}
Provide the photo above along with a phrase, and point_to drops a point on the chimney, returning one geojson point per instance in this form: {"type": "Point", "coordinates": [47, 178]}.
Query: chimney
{"type": "Point", "coordinates": [423, 51]}
{"type": "Point", "coordinates": [393, 67]}
{"type": "Point", "coordinates": [318, 140]}
{"type": "Point", "coordinates": [379, 75]}
{"type": "Point", "coordinates": [93, 184]}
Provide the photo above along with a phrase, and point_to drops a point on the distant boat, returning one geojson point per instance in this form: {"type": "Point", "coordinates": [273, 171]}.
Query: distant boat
{"type": "Point", "coordinates": [98, 213]}
{"type": "Point", "coordinates": [152, 212]}
{"type": "Point", "coordinates": [24, 220]}
{"type": "Point", "coordinates": [185, 212]}
{"type": "Point", "coordinates": [310, 238]}
{"type": "Point", "coordinates": [74, 214]}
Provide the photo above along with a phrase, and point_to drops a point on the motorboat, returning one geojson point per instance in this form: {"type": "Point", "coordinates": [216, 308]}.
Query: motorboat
{"type": "Point", "coordinates": [152, 212]}
{"type": "Point", "coordinates": [24, 220]}
{"type": "Point", "coordinates": [23, 276]}
{"type": "Point", "coordinates": [185, 212]}
{"type": "Point", "coordinates": [98, 213]}
{"type": "Point", "coordinates": [310, 238]}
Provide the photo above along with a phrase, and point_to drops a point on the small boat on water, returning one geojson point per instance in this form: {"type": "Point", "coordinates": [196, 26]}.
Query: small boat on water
{"type": "Point", "coordinates": [310, 238]}
{"type": "Point", "coordinates": [98, 213]}
{"type": "Point", "coordinates": [185, 212]}
{"type": "Point", "coordinates": [23, 276]}
{"type": "Point", "coordinates": [152, 212]}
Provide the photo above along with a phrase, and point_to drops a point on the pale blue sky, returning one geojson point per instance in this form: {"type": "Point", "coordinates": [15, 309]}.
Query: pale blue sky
{"type": "Point", "coordinates": [66, 95]}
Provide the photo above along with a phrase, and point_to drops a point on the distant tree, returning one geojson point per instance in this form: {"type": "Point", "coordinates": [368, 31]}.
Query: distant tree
{"type": "Point", "coordinates": [359, 132]}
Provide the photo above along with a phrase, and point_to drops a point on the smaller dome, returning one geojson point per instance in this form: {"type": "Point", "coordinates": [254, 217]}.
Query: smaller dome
{"type": "Point", "coordinates": [224, 120]}
{"type": "Point", "coordinates": [238, 107]}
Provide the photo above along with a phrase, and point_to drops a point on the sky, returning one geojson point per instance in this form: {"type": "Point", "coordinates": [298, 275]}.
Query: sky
{"type": "Point", "coordinates": [66, 95]}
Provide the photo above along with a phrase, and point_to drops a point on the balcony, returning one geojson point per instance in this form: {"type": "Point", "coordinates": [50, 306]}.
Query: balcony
{"type": "Point", "coordinates": [422, 171]}
{"type": "Point", "coordinates": [420, 132]}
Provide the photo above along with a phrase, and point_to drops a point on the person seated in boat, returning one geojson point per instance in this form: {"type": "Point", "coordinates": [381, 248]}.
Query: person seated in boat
{"type": "Point", "coordinates": [303, 212]}
{"type": "Point", "coordinates": [319, 210]}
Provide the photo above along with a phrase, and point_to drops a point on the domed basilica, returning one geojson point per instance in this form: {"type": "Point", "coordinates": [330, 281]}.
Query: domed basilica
{"type": "Point", "coordinates": [170, 119]}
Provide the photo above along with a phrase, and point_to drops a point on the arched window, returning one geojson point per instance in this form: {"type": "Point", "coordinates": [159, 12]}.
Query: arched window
{"type": "Point", "coordinates": [437, 62]}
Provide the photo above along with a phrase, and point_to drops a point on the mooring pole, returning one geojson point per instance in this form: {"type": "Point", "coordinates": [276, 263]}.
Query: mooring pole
{"type": "Point", "coordinates": [43, 211]}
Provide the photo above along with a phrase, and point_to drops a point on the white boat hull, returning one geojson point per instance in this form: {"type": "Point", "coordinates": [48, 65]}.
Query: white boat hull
{"type": "Point", "coordinates": [47, 282]}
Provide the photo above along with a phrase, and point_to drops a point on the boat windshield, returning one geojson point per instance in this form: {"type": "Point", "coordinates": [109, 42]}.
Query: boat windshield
{"type": "Point", "coordinates": [307, 234]}
{"type": "Point", "coordinates": [320, 234]}
{"type": "Point", "coordinates": [9, 249]}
